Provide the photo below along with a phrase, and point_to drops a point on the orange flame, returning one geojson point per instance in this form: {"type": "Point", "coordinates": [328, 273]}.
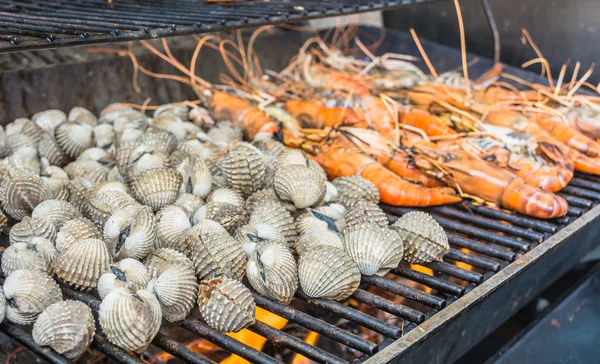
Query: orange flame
{"type": "Point", "coordinates": [311, 339]}
{"type": "Point", "coordinates": [425, 270]}
{"type": "Point", "coordinates": [464, 265]}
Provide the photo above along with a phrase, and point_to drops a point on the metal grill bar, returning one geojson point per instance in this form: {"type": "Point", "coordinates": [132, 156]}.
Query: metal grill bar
{"type": "Point", "coordinates": [429, 281]}
{"type": "Point", "coordinates": [404, 291]}
{"type": "Point", "coordinates": [24, 338]}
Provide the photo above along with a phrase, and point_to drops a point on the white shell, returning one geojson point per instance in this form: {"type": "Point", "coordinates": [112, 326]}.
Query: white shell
{"type": "Point", "coordinates": [68, 327]}
{"type": "Point", "coordinates": [89, 170]}
{"type": "Point", "coordinates": [74, 138]}
{"type": "Point", "coordinates": [28, 293]}
{"type": "Point", "coordinates": [159, 140]}
{"type": "Point", "coordinates": [37, 254]}
{"type": "Point", "coordinates": [272, 272]}
{"type": "Point", "coordinates": [99, 207]}
{"type": "Point", "coordinates": [224, 133]}
{"type": "Point", "coordinates": [226, 195]}
{"type": "Point", "coordinates": [300, 185]}
{"type": "Point", "coordinates": [161, 259]}
{"type": "Point", "coordinates": [49, 119]}
{"type": "Point", "coordinates": [363, 211]}
{"type": "Point", "coordinates": [336, 211]}
{"type": "Point", "coordinates": [81, 264]}
{"type": "Point", "coordinates": [328, 272]}
{"type": "Point", "coordinates": [48, 148]}
{"type": "Point", "coordinates": [171, 224]}
{"type": "Point", "coordinates": [15, 142]}
{"type": "Point", "coordinates": [31, 227]}
{"type": "Point", "coordinates": [177, 290]}
{"type": "Point", "coordinates": [26, 127]}
{"type": "Point", "coordinates": [76, 230]}
{"type": "Point", "coordinates": [180, 111]}
{"type": "Point", "coordinates": [273, 214]}
{"type": "Point", "coordinates": [313, 221]}
{"type": "Point", "coordinates": [127, 273]}
{"type": "Point", "coordinates": [307, 242]}
{"type": "Point", "coordinates": [105, 136]}
{"type": "Point", "coordinates": [226, 305]}
{"type": "Point", "coordinates": [131, 232]}
{"type": "Point", "coordinates": [157, 188]}
{"type": "Point", "coordinates": [424, 238]}
{"type": "Point", "coordinates": [82, 115]}
{"type": "Point", "coordinates": [331, 192]}
{"type": "Point", "coordinates": [2, 305]}
{"type": "Point", "coordinates": [244, 169]}
{"type": "Point", "coordinates": [250, 235]}
{"type": "Point", "coordinates": [375, 250]}
{"type": "Point", "coordinates": [57, 212]}
{"type": "Point", "coordinates": [21, 192]}
{"type": "Point", "coordinates": [352, 189]}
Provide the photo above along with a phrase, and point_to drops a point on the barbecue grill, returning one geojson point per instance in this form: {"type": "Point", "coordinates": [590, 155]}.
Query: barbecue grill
{"type": "Point", "coordinates": [499, 261]}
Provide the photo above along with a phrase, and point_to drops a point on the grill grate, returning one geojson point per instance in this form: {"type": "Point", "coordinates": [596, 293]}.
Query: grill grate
{"type": "Point", "coordinates": [30, 24]}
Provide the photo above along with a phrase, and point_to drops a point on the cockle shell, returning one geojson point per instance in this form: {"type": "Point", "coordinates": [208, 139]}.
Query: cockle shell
{"type": "Point", "coordinates": [199, 179]}
{"type": "Point", "coordinates": [264, 195]}
{"type": "Point", "coordinates": [82, 115]}
{"type": "Point", "coordinates": [78, 192]}
{"type": "Point", "coordinates": [99, 207]}
{"type": "Point", "coordinates": [177, 291]}
{"type": "Point", "coordinates": [57, 212]}
{"type": "Point", "coordinates": [298, 158]}
{"type": "Point", "coordinates": [49, 119]}
{"type": "Point", "coordinates": [179, 110]}
{"type": "Point", "coordinates": [75, 230]}
{"type": "Point", "coordinates": [244, 169]}
{"type": "Point", "coordinates": [424, 238]}
{"type": "Point", "coordinates": [89, 170]}
{"type": "Point", "coordinates": [214, 254]}
{"type": "Point", "coordinates": [49, 148]}
{"type": "Point", "coordinates": [200, 116]}
{"type": "Point", "coordinates": [171, 222]}
{"type": "Point", "coordinates": [170, 122]}
{"type": "Point", "coordinates": [231, 217]}
{"type": "Point", "coordinates": [312, 221]}
{"type": "Point", "coordinates": [224, 133]}
{"type": "Point", "coordinates": [105, 136]}
{"type": "Point", "coordinates": [3, 222]}
{"type": "Point", "coordinates": [131, 232]}
{"type": "Point", "coordinates": [130, 320]}
{"type": "Point", "coordinates": [250, 235]}
{"type": "Point", "coordinates": [58, 182]}
{"type": "Point", "coordinates": [157, 188]}
{"type": "Point", "coordinates": [226, 304]}
{"type": "Point", "coordinates": [328, 272]}
{"type": "Point", "coordinates": [270, 148]}
{"type": "Point", "coordinates": [29, 228]}
{"type": "Point", "coordinates": [81, 264]}
{"type": "Point", "coordinates": [158, 139]}
{"type": "Point", "coordinates": [21, 192]}
{"type": "Point", "coordinates": [300, 185]}
{"type": "Point", "coordinates": [74, 138]}
{"type": "Point", "coordinates": [307, 242]}
{"type": "Point", "coordinates": [2, 305]}
{"type": "Point", "coordinates": [124, 118]}
{"type": "Point", "coordinates": [97, 155]}
{"type": "Point", "coordinates": [129, 135]}
{"type": "Point", "coordinates": [272, 272]}
{"type": "Point", "coordinates": [161, 259]}
{"type": "Point", "coordinates": [226, 195]}
{"type": "Point", "coordinates": [114, 175]}
{"type": "Point", "coordinates": [144, 158]}
{"type": "Point", "coordinates": [28, 293]}
{"type": "Point", "coordinates": [68, 327]}
{"type": "Point", "coordinates": [38, 254]}
{"type": "Point", "coordinates": [26, 127]}
{"type": "Point", "coordinates": [128, 273]}
{"type": "Point", "coordinates": [25, 158]}
{"type": "Point", "coordinates": [352, 189]}
{"type": "Point", "coordinates": [375, 250]}
{"type": "Point", "coordinates": [363, 211]}
{"type": "Point", "coordinates": [189, 203]}
{"type": "Point", "coordinates": [335, 211]}
{"type": "Point", "coordinates": [275, 215]}
{"type": "Point", "coordinates": [15, 142]}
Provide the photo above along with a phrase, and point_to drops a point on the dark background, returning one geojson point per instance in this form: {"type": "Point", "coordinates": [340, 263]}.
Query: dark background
{"type": "Point", "coordinates": [562, 29]}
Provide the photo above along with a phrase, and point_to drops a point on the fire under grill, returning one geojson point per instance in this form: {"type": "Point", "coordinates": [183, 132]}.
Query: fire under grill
{"type": "Point", "coordinates": [433, 313]}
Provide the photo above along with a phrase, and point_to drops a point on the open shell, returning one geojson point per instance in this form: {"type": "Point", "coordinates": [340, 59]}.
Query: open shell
{"type": "Point", "coordinates": [300, 185]}
{"type": "Point", "coordinates": [244, 169]}
{"type": "Point", "coordinates": [424, 238]}
{"type": "Point", "coordinates": [157, 188]}
{"type": "Point", "coordinates": [74, 138]}
{"type": "Point", "coordinates": [177, 290]}
{"type": "Point", "coordinates": [352, 189]}
{"type": "Point", "coordinates": [328, 272]}
{"type": "Point", "coordinates": [81, 264]}
{"type": "Point", "coordinates": [127, 273]}
{"type": "Point", "coordinates": [226, 304]}
{"type": "Point", "coordinates": [38, 254]}
{"type": "Point", "coordinates": [68, 327]}
{"type": "Point", "coordinates": [57, 212]}
{"type": "Point", "coordinates": [171, 223]}
{"type": "Point", "coordinates": [28, 293]}
{"type": "Point", "coordinates": [231, 217]}
{"type": "Point", "coordinates": [161, 259]}
{"type": "Point", "coordinates": [21, 192]}
{"type": "Point", "coordinates": [272, 272]}
{"type": "Point", "coordinates": [273, 214]}
{"type": "Point", "coordinates": [363, 211]}
{"type": "Point", "coordinates": [131, 232]}
{"type": "Point", "coordinates": [76, 230]}
{"type": "Point", "coordinates": [375, 250]}
{"type": "Point", "coordinates": [312, 221]}
{"type": "Point", "coordinates": [226, 195]}
{"type": "Point", "coordinates": [31, 227]}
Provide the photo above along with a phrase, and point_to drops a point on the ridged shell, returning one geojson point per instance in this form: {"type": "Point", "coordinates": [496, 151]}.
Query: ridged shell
{"type": "Point", "coordinates": [105, 136]}
{"type": "Point", "coordinates": [3, 222]}
{"type": "Point", "coordinates": [275, 215]}
{"type": "Point", "coordinates": [81, 264]}
{"type": "Point", "coordinates": [144, 158]}
{"type": "Point", "coordinates": [127, 273]}
{"type": "Point", "coordinates": [226, 195]}
{"type": "Point", "coordinates": [180, 111]}
{"type": "Point", "coordinates": [264, 195]}
{"type": "Point", "coordinates": [307, 242]}
{"type": "Point", "coordinates": [375, 250]}
{"type": "Point", "coordinates": [157, 188]}
{"type": "Point", "coordinates": [250, 235]}
{"type": "Point", "coordinates": [328, 272]}
{"type": "Point", "coordinates": [57, 212]}
{"type": "Point", "coordinates": [74, 138]}
{"type": "Point", "coordinates": [131, 232]}
{"type": "Point", "coordinates": [424, 238]}
{"type": "Point", "coordinates": [177, 290]}
{"type": "Point", "coordinates": [352, 189]}
{"type": "Point", "coordinates": [189, 203]}
{"type": "Point", "coordinates": [160, 140]}
{"type": "Point", "coordinates": [68, 327]}
{"type": "Point", "coordinates": [161, 259]}
{"type": "Point", "coordinates": [300, 185]}
{"type": "Point", "coordinates": [101, 206]}
{"type": "Point", "coordinates": [26, 127]}
{"type": "Point", "coordinates": [37, 254]}
{"type": "Point", "coordinates": [130, 320]}
{"type": "Point", "coordinates": [58, 188]}
{"type": "Point", "coordinates": [175, 125]}
{"type": "Point", "coordinates": [272, 272]}
{"type": "Point", "coordinates": [231, 217]}
{"type": "Point", "coordinates": [15, 142]}
{"type": "Point", "coordinates": [244, 169]}
{"type": "Point", "coordinates": [199, 181]}
{"type": "Point", "coordinates": [82, 115]}
{"type": "Point", "coordinates": [49, 148]}
{"type": "Point", "coordinates": [29, 228]}
{"type": "Point", "coordinates": [171, 223]}
{"type": "Point", "coordinates": [226, 305]}
{"type": "Point", "coordinates": [291, 157]}
{"type": "Point", "coordinates": [76, 230]}
{"type": "Point", "coordinates": [28, 293]}
{"type": "Point", "coordinates": [78, 192]}
{"type": "Point", "coordinates": [270, 148]}
{"type": "Point", "coordinates": [25, 158]}
{"type": "Point", "coordinates": [214, 254]}
{"type": "Point", "coordinates": [21, 192]}
{"type": "Point", "coordinates": [49, 119]}
{"type": "Point", "coordinates": [2, 305]}
{"type": "Point", "coordinates": [224, 133]}
{"type": "Point", "coordinates": [363, 211]}
{"type": "Point", "coordinates": [89, 170]}
{"type": "Point", "coordinates": [200, 116]}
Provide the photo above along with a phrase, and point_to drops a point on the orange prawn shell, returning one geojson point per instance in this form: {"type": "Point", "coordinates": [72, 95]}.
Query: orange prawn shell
{"type": "Point", "coordinates": [252, 120]}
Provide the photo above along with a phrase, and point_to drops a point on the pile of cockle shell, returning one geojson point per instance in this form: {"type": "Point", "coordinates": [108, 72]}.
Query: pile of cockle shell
{"type": "Point", "coordinates": [160, 214]}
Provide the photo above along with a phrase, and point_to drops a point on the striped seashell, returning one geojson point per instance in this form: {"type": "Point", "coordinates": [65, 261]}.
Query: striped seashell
{"type": "Point", "coordinates": [189, 203]}
{"type": "Point", "coordinates": [3, 222]}
{"type": "Point", "coordinates": [82, 115]}
{"type": "Point", "coordinates": [144, 158]}
{"type": "Point", "coordinates": [243, 168]}
{"type": "Point", "coordinates": [231, 217]}
{"type": "Point", "coordinates": [159, 140]}
{"type": "Point", "coordinates": [74, 138]}
{"type": "Point", "coordinates": [226, 195]}
{"type": "Point", "coordinates": [178, 110]}
{"type": "Point", "coordinates": [49, 148]}
{"type": "Point", "coordinates": [130, 320]}
{"type": "Point", "coordinates": [49, 119]}
{"type": "Point", "coordinates": [226, 305]}
{"type": "Point", "coordinates": [31, 227]}
{"type": "Point", "coordinates": [128, 136]}
{"type": "Point", "coordinates": [99, 207]}
{"type": "Point", "coordinates": [131, 232]}
{"type": "Point", "coordinates": [76, 230]}
{"type": "Point", "coordinates": [23, 126]}
{"type": "Point", "coordinates": [172, 223]}
{"type": "Point", "coordinates": [352, 189]}
{"type": "Point", "coordinates": [128, 273]}
{"type": "Point", "coordinates": [307, 242]}
{"type": "Point", "coordinates": [2, 305]}
{"type": "Point", "coordinates": [363, 211]}
{"type": "Point", "coordinates": [78, 192]}
{"type": "Point", "coordinates": [99, 155]}
{"type": "Point", "coordinates": [270, 148]}
{"type": "Point", "coordinates": [24, 158]}
{"type": "Point", "coordinates": [296, 157]}
{"type": "Point", "coordinates": [157, 188]}
{"type": "Point", "coordinates": [17, 142]}
{"type": "Point", "coordinates": [57, 212]}
{"type": "Point", "coordinates": [67, 327]}
{"type": "Point", "coordinates": [424, 238]}
{"type": "Point", "coordinates": [375, 250]}
{"type": "Point", "coordinates": [21, 192]}
{"type": "Point", "coordinates": [272, 272]}
{"type": "Point", "coordinates": [127, 119]}
{"type": "Point", "coordinates": [328, 272]}
{"type": "Point", "coordinates": [275, 215]}
{"type": "Point", "coordinates": [89, 170]}
{"type": "Point", "coordinates": [177, 291]}
{"type": "Point", "coordinates": [37, 254]}
{"type": "Point", "coordinates": [28, 293]}
{"type": "Point", "coordinates": [105, 136]}
{"type": "Point", "coordinates": [264, 195]}
{"type": "Point", "coordinates": [57, 180]}
{"type": "Point", "coordinates": [250, 235]}
{"type": "Point", "coordinates": [200, 180]}
{"type": "Point", "coordinates": [299, 185]}
{"type": "Point", "coordinates": [161, 259]}
{"type": "Point", "coordinates": [81, 264]}
{"type": "Point", "coordinates": [175, 125]}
